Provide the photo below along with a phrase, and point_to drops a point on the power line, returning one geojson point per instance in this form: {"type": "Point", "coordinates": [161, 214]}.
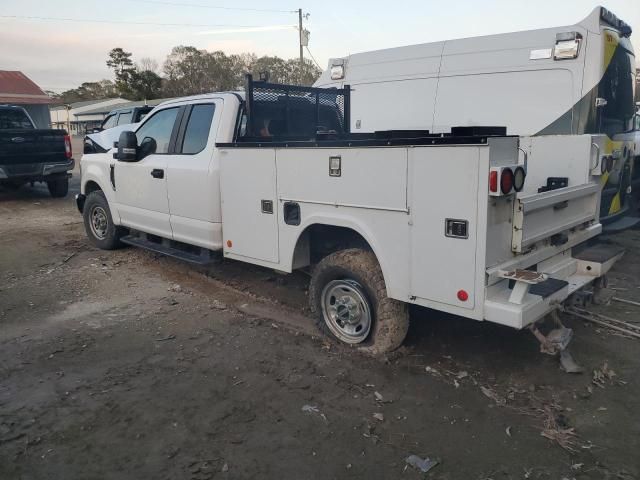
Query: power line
{"type": "Point", "coordinates": [119, 22]}
{"type": "Point", "coordinates": [197, 5]}
{"type": "Point", "coordinates": [313, 58]}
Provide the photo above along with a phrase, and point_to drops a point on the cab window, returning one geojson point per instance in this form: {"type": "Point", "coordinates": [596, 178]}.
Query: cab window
{"type": "Point", "coordinates": [159, 128]}
{"type": "Point", "coordinates": [109, 122]}
{"type": "Point", "coordinates": [125, 118]}
{"type": "Point", "coordinates": [14, 118]}
{"type": "Point", "coordinates": [198, 126]}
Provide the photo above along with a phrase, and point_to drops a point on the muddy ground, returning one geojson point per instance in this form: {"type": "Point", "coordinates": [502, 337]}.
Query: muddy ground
{"type": "Point", "coordinates": [128, 365]}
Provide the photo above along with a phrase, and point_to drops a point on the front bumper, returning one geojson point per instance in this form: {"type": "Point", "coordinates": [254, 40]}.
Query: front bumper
{"type": "Point", "coordinates": [80, 199]}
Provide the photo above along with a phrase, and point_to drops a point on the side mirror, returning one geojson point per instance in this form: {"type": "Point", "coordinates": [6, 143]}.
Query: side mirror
{"type": "Point", "coordinates": [127, 147]}
{"type": "Point", "coordinates": [147, 147]}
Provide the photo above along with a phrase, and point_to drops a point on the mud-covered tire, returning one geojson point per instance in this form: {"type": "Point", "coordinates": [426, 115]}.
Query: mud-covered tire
{"type": "Point", "coordinates": [59, 187]}
{"type": "Point", "coordinates": [98, 222]}
{"type": "Point", "coordinates": [390, 318]}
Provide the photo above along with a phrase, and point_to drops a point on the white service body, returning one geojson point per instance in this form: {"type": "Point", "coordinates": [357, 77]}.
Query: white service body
{"type": "Point", "coordinates": [397, 198]}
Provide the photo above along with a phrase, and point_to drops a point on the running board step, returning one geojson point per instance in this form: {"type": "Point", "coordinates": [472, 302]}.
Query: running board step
{"type": "Point", "coordinates": [548, 287]}
{"type": "Point", "coordinates": [206, 257]}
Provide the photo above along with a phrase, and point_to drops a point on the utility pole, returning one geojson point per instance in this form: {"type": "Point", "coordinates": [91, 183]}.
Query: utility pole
{"type": "Point", "coordinates": [300, 36]}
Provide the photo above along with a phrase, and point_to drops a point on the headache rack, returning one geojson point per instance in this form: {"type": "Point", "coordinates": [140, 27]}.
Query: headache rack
{"type": "Point", "coordinates": [277, 112]}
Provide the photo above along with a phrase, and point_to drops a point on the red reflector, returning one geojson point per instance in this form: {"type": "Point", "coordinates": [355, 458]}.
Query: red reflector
{"type": "Point", "coordinates": [229, 243]}
{"type": "Point", "coordinates": [463, 296]}
{"type": "Point", "coordinates": [67, 146]}
{"type": "Point", "coordinates": [493, 181]}
{"type": "Point", "coordinates": [506, 181]}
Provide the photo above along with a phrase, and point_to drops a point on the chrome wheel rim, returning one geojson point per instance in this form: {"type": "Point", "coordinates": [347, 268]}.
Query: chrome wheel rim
{"type": "Point", "coordinates": [346, 310]}
{"type": "Point", "coordinates": [99, 222]}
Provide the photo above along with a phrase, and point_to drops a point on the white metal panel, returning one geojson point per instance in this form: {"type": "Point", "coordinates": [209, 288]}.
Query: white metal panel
{"type": "Point", "coordinates": [445, 185]}
{"type": "Point", "coordinates": [569, 156]}
{"type": "Point", "coordinates": [370, 177]}
{"type": "Point", "coordinates": [140, 198]}
{"type": "Point", "coordinates": [248, 176]}
{"type": "Point", "coordinates": [193, 187]}
{"type": "Point", "coordinates": [393, 105]}
{"type": "Point", "coordinates": [525, 102]}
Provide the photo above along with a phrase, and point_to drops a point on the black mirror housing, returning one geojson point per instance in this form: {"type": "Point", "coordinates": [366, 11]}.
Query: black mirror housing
{"type": "Point", "coordinates": [127, 147]}
{"type": "Point", "coordinates": [148, 146]}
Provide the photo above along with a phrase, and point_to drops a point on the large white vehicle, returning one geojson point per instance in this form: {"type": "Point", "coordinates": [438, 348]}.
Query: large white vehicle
{"type": "Point", "coordinates": [275, 178]}
{"type": "Point", "coordinates": [576, 79]}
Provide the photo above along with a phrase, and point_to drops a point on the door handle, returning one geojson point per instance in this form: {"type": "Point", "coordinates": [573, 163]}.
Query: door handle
{"type": "Point", "coordinates": [157, 173]}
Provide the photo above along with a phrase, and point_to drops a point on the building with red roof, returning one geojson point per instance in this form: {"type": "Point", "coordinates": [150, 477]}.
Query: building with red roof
{"type": "Point", "coordinates": [18, 89]}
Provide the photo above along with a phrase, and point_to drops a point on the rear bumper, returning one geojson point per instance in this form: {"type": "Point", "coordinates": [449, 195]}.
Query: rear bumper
{"type": "Point", "coordinates": [514, 304]}
{"type": "Point", "coordinates": [37, 172]}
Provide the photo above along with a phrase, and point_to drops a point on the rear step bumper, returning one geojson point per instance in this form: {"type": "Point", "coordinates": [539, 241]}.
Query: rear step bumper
{"type": "Point", "coordinates": [522, 298]}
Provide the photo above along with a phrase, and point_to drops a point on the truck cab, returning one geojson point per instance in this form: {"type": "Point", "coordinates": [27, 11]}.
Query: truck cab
{"type": "Point", "coordinates": [172, 188]}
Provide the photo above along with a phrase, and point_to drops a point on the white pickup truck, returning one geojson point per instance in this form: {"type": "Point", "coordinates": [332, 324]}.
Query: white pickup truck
{"type": "Point", "coordinates": [273, 177]}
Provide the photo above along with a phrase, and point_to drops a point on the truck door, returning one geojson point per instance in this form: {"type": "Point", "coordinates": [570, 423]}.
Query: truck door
{"type": "Point", "coordinates": [249, 205]}
{"type": "Point", "coordinates": [193, 179]}
{"type": "Point", "coordinates": [141, 186]}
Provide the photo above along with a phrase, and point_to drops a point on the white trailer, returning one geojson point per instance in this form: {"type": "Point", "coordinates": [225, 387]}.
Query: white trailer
{"type": "Point", "coordinates": [576, 79]}
{"type": "Point", "coordinates": [385, 220]}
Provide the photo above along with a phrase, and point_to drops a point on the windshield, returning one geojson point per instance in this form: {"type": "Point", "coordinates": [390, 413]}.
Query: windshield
{"type": "Point", "coordinates": [14, 118]}
{"type": "Point", "coordinates": [617, 88]}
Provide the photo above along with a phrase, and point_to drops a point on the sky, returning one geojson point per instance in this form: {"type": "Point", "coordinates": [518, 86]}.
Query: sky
{"type": "Point", "coordinates": [59, 55]}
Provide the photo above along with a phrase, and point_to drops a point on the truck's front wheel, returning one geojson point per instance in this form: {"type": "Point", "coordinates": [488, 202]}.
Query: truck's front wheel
{"type": "Point", "coordinates": [98, 222]}
{"type": "Point", "coordinates": [349, 299]}
{"type": "Point", "coordinates": [59, 187]}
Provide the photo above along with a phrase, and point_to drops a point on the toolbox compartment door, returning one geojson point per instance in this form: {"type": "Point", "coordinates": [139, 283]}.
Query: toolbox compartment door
{"type": "Point", "coordinates": [544, 215]}
{"type": "Point", "coordinates": [445, 188]}
{"type": "Point", "coordinates": [249, 213]}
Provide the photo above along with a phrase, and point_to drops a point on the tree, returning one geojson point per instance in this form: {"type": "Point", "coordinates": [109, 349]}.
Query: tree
{"type": "Point", "coordinates": [147, 64]}
{"type": "Point", "coordinates": [145, 85]}
{"type": "Point", "coordinates": [122, 65]}
{"type": "Point", "coordinates": [88, 91]}
{"type": "Point", "coordinates": [120, 61]}
{"type": "Point", "coordinates": [185, 70]}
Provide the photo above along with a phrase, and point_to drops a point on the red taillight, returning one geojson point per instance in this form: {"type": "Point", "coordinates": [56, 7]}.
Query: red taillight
{"type": "Point", "coordinates": [67, 146]}
{"type": "Point", "coordinates": [463, 296]}
{"type": "Point", "coordinates": [506, 180]}
{"type": "Point", "coordinates": [493, 181]}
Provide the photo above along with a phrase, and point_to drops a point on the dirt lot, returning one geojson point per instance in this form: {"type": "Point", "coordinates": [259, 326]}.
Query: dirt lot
{"type": "Point", "coordinates": [118, 365]}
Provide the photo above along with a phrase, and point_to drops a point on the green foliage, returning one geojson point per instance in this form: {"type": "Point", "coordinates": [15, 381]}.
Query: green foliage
{"type": "Point", "coordinates": [87, 91]}
{"type": "Point", "coordinates": [188, 71]}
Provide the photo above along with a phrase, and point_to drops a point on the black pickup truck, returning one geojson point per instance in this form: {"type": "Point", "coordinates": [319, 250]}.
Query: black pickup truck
{"type": "Point", "coordinates": [29, 155]}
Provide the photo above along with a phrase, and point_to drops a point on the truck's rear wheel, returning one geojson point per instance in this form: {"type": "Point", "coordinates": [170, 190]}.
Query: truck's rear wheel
{"type": "Point", "coordinates": [98, 222]}
{"type": "Point", "coordinates": [59, 187]}
{"type": "Point", "coordinates": [349, 300]}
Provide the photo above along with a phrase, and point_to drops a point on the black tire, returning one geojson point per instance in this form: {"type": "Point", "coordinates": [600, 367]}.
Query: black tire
{"type": "Point", "coordinates": [58, 188]}
{"type": "Point", "coordinates": [390, 318]}
{"type": "Point", "coordinates": [103, 234]}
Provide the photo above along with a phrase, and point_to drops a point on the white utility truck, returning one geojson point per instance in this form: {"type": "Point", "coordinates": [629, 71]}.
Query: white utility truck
{"type": "Point", "coordinates": [273, 177]}
{"type": "Point", "coordinates": [576, 79]}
